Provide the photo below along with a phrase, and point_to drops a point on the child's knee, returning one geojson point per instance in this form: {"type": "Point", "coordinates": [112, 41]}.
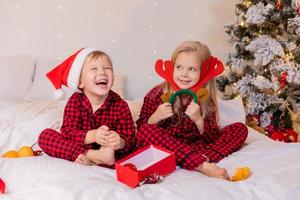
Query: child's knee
{"type": "Point", "coordinates": [241, 130]}
{"type": "Point", "coordinates": [146, 133]}
{"type": "Point", "coordinates": [142, 132]}
{"type": "Point", "coordinates": [45, 136]}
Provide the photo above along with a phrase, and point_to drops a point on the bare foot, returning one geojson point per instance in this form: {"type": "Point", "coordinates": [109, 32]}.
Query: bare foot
{"type": "Point", "coordinates": [105, 155]}
{"type": "Point", "coordinates": [83, 160]}
{"type": "Point", "coordinates": [212, 170]}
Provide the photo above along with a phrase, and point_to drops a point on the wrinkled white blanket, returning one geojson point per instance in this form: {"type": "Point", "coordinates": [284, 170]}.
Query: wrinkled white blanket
{"type": "Point", "coordinates": [275, 168]}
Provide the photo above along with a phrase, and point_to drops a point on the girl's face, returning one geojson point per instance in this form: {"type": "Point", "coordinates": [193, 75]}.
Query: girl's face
{"type": "Point", "coordinates": [96, 77]}
{"type": "Point", "coordinates": [186, 70]}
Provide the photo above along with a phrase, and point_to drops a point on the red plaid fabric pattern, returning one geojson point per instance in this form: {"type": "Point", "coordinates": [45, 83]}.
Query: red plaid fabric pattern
{"type": "Point", "coordinates": [79, 118]}
{"type": "Point", "coordinates": [183, 138]}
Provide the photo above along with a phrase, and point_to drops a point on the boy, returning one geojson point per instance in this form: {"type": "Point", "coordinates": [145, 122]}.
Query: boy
{"type": "Point", "coordinates": [97, 126]}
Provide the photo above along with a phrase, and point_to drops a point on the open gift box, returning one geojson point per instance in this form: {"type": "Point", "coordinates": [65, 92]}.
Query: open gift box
{"type": "Point", "coordinates": [148, 160]}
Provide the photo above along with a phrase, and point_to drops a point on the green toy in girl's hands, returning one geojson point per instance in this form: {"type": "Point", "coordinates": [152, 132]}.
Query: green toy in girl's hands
{"type": "Point", "coordinates": [211, 67]}
{"type": "Point", "coordinates": [180, 92]}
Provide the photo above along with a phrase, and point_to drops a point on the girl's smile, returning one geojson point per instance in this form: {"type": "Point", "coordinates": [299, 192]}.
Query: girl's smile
{"type": "Point", "coordinates": [186, 70]}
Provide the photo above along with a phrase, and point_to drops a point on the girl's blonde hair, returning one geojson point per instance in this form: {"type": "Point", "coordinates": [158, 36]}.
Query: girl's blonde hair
{"type": "Point", "coordinates": [202, 52]}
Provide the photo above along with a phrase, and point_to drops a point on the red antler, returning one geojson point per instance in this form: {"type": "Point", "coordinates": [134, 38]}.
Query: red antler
{"type": "Point", "coordinates": [210, 68]}
{"type": "Point", "coordinates": [165, 70]}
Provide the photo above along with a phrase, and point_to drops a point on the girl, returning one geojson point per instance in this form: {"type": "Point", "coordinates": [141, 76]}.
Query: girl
{"type": "Point", "coordinates": [97, 125]}
{"type": "Point", "coordinates": [187, 128]}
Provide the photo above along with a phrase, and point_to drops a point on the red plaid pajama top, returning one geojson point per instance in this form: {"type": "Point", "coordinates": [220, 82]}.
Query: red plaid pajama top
{"type": "Point", "coordinates": [79, 119]}
{"type": "Point", "coordinates": [183, 138]}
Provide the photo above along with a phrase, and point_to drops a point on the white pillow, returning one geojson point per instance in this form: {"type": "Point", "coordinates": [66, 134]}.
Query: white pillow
{"type": "Point", "coordinates": [135, 107]}
{"type": "Point", "coordinates": [16, 74]}
{"type": "Point", "coordinates": [42, 88]}
{"type": "Point", "coordinates": [231, 111]}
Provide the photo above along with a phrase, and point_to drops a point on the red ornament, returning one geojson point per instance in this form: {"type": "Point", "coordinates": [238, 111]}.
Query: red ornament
{"type": "Point", "coordinates": [131, 166]}
{"type": "Point", "coordinates": [37, 152]}
{"type": "Point", "coordinates": [2, 186]}
{"type": "Point", "coordinates": [283, 135]}
{"type": "Point", "coordinates": [278, 5]}
{"type": "Point", "coordinates": [293, 136]}
{"type": "Point", "coordinates": [151, 179]}
{"type": "Point", "coordinates": [280, 136]}
{"type": "Point", "coordinates": [283, 80]}
{"type": "Point", "coordinates": [298, 11]}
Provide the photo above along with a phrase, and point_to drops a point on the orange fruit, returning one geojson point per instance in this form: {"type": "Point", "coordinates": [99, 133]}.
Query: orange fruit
{"type": "Point", "coordinates": [10, 154]}
{"type": "Point", "coordinates": [25, 151]}
{"type": "Point", "coordinates": [241, 174]}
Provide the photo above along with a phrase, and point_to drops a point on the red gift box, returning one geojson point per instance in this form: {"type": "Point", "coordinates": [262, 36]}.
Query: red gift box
{"type": "Point", "coordinates": [2, 186]}
{"type": "Point", "coordinates": [151, 159]}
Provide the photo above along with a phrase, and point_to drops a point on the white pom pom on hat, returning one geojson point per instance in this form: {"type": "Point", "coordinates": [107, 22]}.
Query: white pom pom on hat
{"type": "Point", "coordinates": [68, 72]}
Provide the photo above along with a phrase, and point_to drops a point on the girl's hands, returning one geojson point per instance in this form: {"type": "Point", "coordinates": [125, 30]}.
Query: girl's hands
{"type": "Point", "coordinates": [163, 111]}
{"type": "Point", "coordinates": [193, 111]}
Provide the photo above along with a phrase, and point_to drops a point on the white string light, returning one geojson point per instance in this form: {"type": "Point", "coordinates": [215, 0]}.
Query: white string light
{"type": "Point", "coordinates": [58, 7]}
{"type": "Point", "coordinates": [154, 51]}
{"type": "Point", "coordinates": [156, 4]}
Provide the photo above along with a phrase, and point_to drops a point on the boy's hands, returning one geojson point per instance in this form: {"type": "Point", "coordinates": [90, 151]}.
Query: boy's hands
{"type": "Point", "coordinates": [101, 133]}
{"type": "Point", "coordinates": [115, 141]}
{"type": "Point", "coordinates": [112, 139]}
{"type": "Point", "coordinates": [163, 111]}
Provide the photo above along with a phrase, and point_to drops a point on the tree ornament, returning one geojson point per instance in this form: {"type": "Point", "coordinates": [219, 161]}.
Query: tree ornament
{"type": "Point", "coordinates": [279, 5]}
{"type": "Point", "coordinates": [283, 81]}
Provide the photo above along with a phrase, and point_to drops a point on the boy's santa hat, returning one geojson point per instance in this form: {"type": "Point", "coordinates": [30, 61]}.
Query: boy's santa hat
{"type": "Point", "coordinates": [68, 72]}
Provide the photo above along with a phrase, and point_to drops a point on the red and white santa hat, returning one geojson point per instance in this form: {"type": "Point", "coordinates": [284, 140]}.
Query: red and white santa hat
{"type": "Point", "coordinates": [68, 72]}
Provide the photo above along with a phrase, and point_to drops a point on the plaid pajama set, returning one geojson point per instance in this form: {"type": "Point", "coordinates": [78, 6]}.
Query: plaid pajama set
{"type": "Point", "coordinates": [79, 119]}
{"type": "Point", "coordinates": [183, 138]}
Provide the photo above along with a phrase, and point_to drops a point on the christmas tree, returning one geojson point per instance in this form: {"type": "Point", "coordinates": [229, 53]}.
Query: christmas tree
{"type": "Point", "coordinates": [264, 66]}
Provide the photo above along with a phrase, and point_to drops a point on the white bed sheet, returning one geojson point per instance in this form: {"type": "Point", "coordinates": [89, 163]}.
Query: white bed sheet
{"type": "Point", "coordinates": [275, 168]}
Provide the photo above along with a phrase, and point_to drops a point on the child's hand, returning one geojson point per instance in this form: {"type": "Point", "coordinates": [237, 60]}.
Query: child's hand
{"type": "Point", "coordinates": [163, 111]}
{"type": "Point", "coordinates": [114, 140]}
{"type": "Point", "coordinates": [193, 111]}
{"type": "Point", "coordinates": [101, 135]}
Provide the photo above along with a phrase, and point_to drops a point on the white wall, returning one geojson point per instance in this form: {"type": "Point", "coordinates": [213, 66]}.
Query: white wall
{"type": "Point", "coordinates": [134, 32]}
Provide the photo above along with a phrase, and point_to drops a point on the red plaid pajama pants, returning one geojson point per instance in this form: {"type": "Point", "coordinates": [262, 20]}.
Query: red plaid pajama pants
{"type": "Point", "coordinates": [56, 145]}
{"type": "Point", "coordinates": [192, 155]}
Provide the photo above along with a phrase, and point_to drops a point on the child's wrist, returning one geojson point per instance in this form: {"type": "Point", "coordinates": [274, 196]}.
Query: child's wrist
{"type": "Point", "coordinates": [122, 143]}
{"type": "Point", "coordinates": [90, 137]}
{"type": "Point", "coordinates": [200, 124]}
{"type": "Point", "coordinates": [199, 121]}
{"type": "Point", "coordinates": [152, 119]}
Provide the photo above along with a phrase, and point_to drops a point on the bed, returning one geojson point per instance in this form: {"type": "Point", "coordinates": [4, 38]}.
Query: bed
{"type": "Point", "coordinates": [275, 166]}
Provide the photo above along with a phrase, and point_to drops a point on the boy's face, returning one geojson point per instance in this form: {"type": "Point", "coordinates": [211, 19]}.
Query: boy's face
{"type": "Point", "coordinates": [186, 70]}
{"type": "Point", "coordinates": [96, 77]}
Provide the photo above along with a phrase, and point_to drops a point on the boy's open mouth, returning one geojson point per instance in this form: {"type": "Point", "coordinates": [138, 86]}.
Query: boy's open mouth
{"type": "Point", "coordinates": [102, 82]}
